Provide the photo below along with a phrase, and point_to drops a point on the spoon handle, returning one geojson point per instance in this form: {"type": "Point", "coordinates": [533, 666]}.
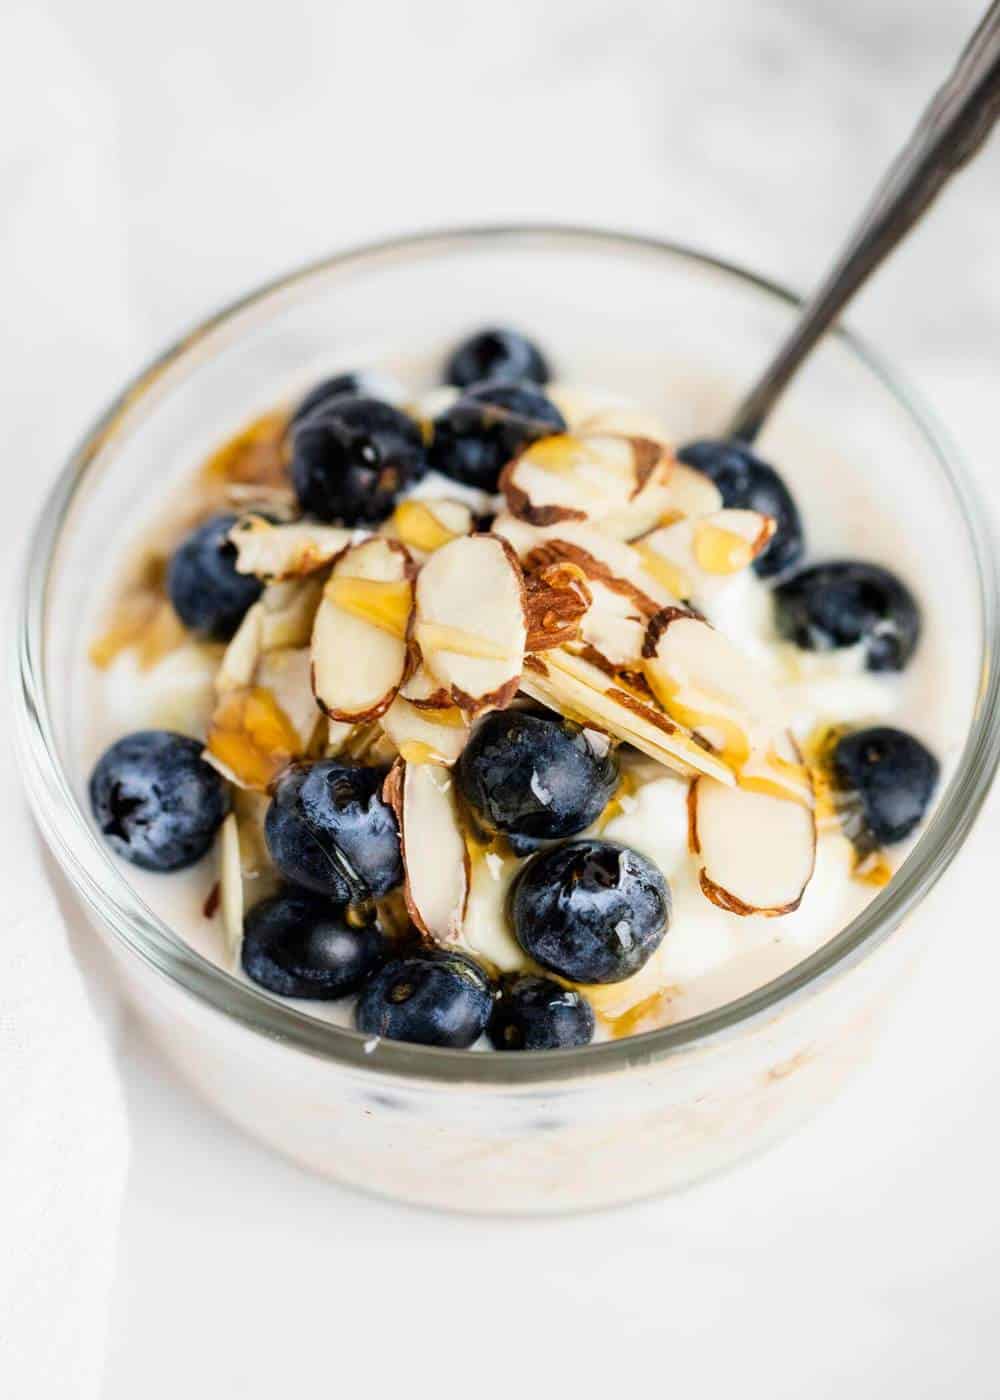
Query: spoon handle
{"type": "Point", "coordinates": [951, 130]}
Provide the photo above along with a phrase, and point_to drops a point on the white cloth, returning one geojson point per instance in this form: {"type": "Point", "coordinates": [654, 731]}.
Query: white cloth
{"type": "Point", "coordinates": [63, 1148]}
{"type": "Point", "coordinates": [63, 342]}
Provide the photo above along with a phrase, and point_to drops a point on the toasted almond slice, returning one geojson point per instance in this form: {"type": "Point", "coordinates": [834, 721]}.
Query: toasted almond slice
{"type": "Point", "coordinates": [250, 738]}
{"type": "Point", "coordinates": [615, 482]}
{"type": "Point", "coordinates": [777, 768]}
{"type": "Point", "coordinates": [239, 662]}
{"type": "Point", "coordinates": [726, 542]}
{"type": "Point", "coordinates": [278, 552]}
{"type": "Point", "coordinates": [359, 649]}
{"type": "Point", "coordinates": [288, 611]}
{"type": "Point", "coordinates": [425, 692]}
{"type": "Point", "coordinates": [469, 622]}
{"type": "Point", "coordinates": [614, 628]}
{"type": "Point", "coordinates": [286, 673]}
{"type": "Point", "coordinates": [757, 852]}
{"type": "Point", "coordinates": [556, 599]}
{"type": "Point", "coordinates": [435, 858]}
{"type": "Point", "coordinates": [690, 492]}
{"type": "Point", "coordinates": [705, 682]}
{"type": "Point", "coordinates": [246, 874]}
{"type": "Point", "coordinates": [425, 525]}
{"type": "Point", "coordinates": [422, 738]}
{"type": "Point", "coordinates": [231, 900]}
{"type": "Point", "coordinates": [577, 688]}
{"type": "Point", "coordinates": [599, 557]}
{"type": "Point", "coordinates": [697, 557]}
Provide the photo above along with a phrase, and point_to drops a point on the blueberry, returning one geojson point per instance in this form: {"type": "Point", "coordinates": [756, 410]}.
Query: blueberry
{"type": "Point", "coordinates": [842, 603]}
{"type": "Point", "coordinates": [351, 458]}
{"type": "Point", "coordinates": [329, 831]}
{"type": "Point", "coordinates": [590, 910]}
{"type": "Point", "coordinates": [434, 998]}
{"type": "Point", "coordinates": [535, 1013]}
{"type": "Point", "coordinates": [893, 777]}
{"type": "Point", "coordinates": [156, 800]}
{"type": "Point", "coordinates": [339, 386]}
{"type": "Point", "coordinates": [298, 944]}
{"type": "Point", "coordinates": [535, 776]}
{"type": "Point", "coordinates": [498, 355]}
{"type": "Point", "coordinates": [478, 435]}
{"type": "Point", "coordinates": [208, 595]}
{"type": "Point", "coordinates": [746, 482]}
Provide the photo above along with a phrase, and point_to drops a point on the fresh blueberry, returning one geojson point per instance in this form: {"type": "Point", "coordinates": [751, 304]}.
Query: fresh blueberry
{"type": "Point", "coordinates": [329, 831]}
{"type": "Point", "coordinates": [479, 433]}
{"type": "Point", "coordinates": [156, 800]}
{"type": "Point", "coordinates": [339, 386]}
{"type": "Point", "coordinates": [590, 910]}
{"type": "Point", "coordinates": [535, 1013]}
{"type": "Point", "coordinates": [893, 777]}
{"type": "Point", "coordinates": [298, 944]}
{"type": "Point", "coordinates": [498, 355]}
{"type": "Point", "coordinates": [352, 457]}
{"type": "Point", "coordinates": [842, 603]}
{"type": "Point", "coordinates": [208, 595]}
{"type": "Point", "coordinates": [535, 776]}
{"type": "Point", "coordinates": [748, 483]}
{"type": "Point", "coordinates": [433, 998]}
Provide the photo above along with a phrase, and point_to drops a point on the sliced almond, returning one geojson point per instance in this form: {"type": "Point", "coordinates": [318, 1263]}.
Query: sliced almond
{"type": "Point", "coordinates": [239, 662]}
{"type": "Point", "coordinates": [575, 687]}
{"type": "Point", "coordinates": [706, 683]}
{"type": "Point", "coordinates": [278, 552]}
{"type": "Point", "coordinates": [231, 901]}
{"type": "Point", "coordinates": [613, 629]}
{"type": "Point", "coordinates": [615, 482]}
{"type": "Point", "coordinates": [556, 599]}
{"type": "Point", "coordinates": [697, 557]}
{"type": "Point", "coordinates": [422, 737]}
{"type": "Point", "coordinates": [469, 621]}
{"type": "Point", "coordinates": [435, 857]}
{"type": "Point", "coordinates": [359, 648]}
{"type": "Point", "coordinates": [250, 738]}
{"type": "Point", "coordinates": [288, 611]}
{"type": "Point", "coordinates": [690, 492]}
{"type": "Point", "coordinates": [286, 673]}
{"type": "Point", "coordinates": [424, 525]}
{"type": "Point", "coordinates": [425, 692]}
{"type": "Point", "coordinates": [757, 852]}
{"type": "Point", "coordinates": [246, 874]}
{"type": "Point", "coordinates": [599, 557]}
{"type": "Point", "coordinates": [776, 768]}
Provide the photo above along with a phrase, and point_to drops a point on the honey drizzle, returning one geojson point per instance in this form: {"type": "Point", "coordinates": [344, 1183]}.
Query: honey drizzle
{"type": "Point", "coordinates": [252, 736]}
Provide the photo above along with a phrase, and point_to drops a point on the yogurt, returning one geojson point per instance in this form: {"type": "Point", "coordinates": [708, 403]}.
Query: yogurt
{"type": "Point", "coordinates": [710, 955]}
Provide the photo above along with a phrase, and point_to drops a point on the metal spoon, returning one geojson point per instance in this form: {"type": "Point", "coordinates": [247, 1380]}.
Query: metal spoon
{"type": "Point", "coordinates": [951, 130]}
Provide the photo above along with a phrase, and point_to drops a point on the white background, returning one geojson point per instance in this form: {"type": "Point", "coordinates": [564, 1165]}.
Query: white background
{"type": "Point", "coordinates": [156, 160]}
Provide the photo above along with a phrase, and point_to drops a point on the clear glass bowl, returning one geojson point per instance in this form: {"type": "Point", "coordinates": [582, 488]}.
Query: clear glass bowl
{"type": "Point", "coordinates": [546, 1131]}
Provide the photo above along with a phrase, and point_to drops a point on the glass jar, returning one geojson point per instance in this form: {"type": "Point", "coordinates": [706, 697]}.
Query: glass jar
{"type": "Point", "coordinates": [559, 1130]}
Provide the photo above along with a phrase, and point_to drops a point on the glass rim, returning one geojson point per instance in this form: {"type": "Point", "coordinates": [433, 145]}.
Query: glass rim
{"type": "Point", "coordinates": [103, 886]}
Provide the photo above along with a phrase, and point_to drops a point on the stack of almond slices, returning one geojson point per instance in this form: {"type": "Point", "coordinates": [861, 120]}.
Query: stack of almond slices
{"type": "Point", "coordinates": [586, 596]}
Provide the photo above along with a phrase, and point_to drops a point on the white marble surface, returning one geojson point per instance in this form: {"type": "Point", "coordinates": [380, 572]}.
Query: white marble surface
{"type": "Point", "coordinates": [156, 160]}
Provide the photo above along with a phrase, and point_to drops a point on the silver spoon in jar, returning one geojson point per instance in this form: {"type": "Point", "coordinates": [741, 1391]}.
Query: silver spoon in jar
{"type": "Point", "coordinates": [952, 129]}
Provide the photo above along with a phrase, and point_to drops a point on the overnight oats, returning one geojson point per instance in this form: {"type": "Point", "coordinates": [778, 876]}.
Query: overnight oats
{"type": "Point", "coordinates": [466, 708]}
